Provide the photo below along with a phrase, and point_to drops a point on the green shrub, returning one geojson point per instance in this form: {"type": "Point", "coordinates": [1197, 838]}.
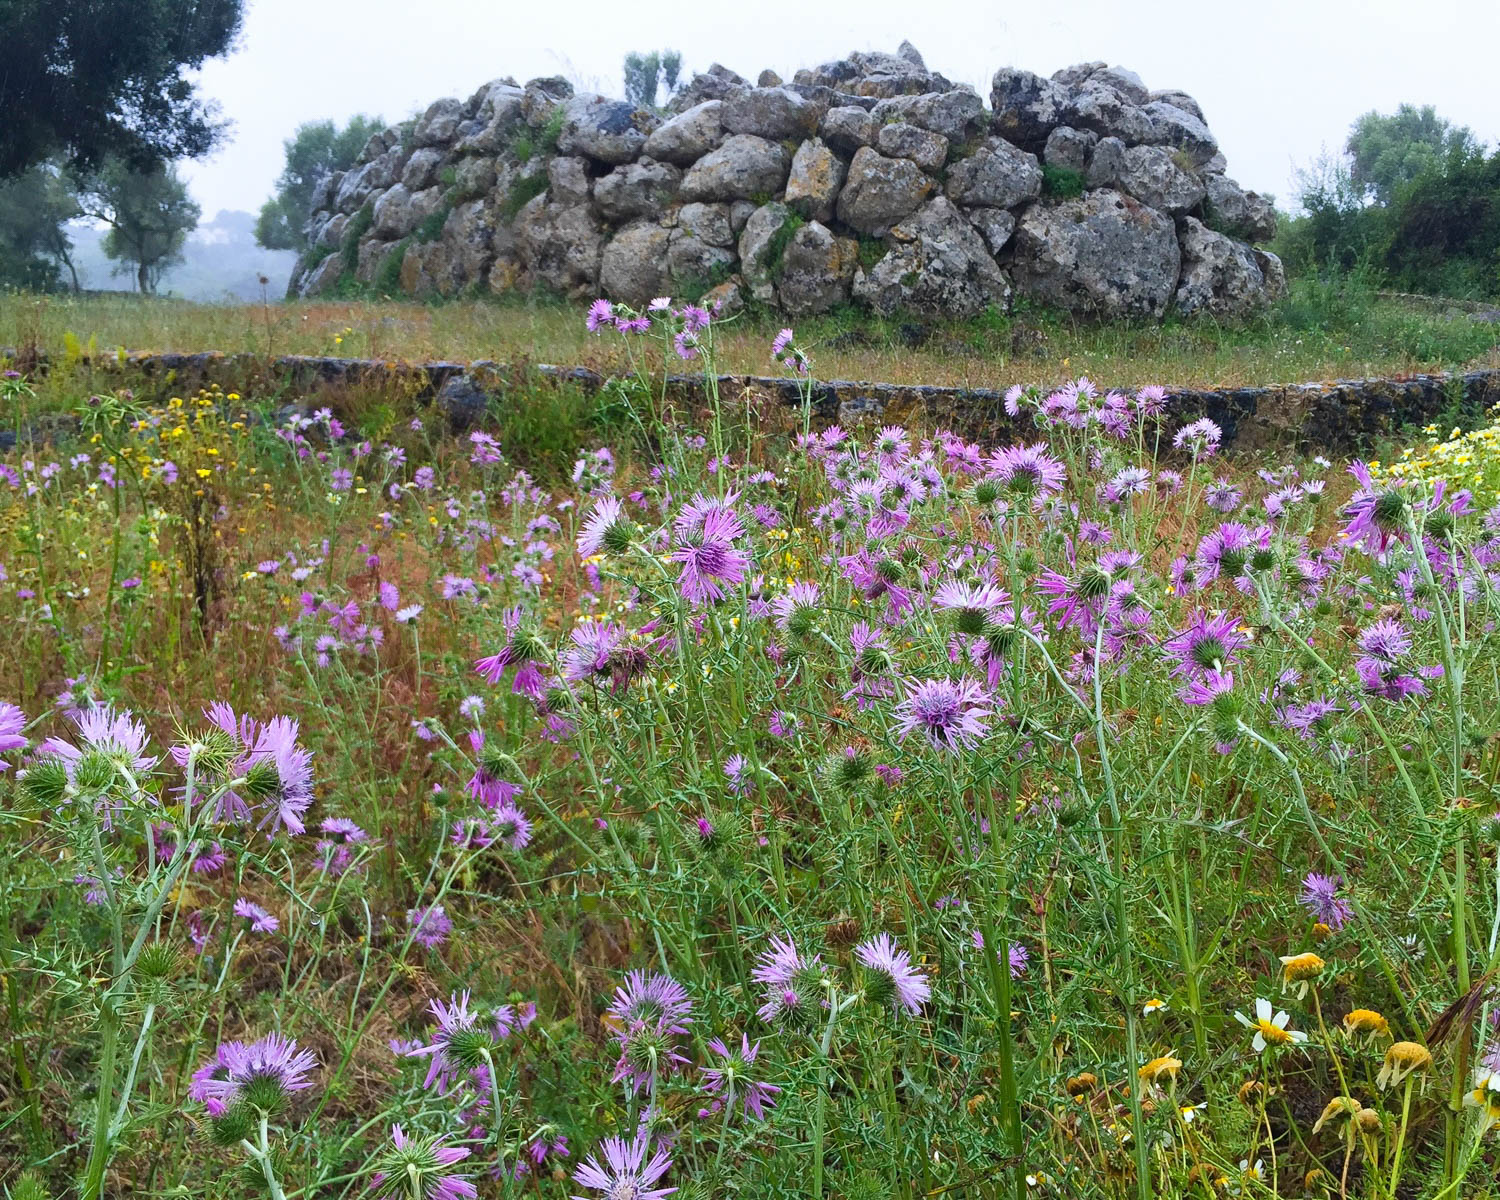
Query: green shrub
{"type": "Point", "coordinates": [359, 225]}
{"type": "Point", "coordinates": [523, 148]}
{"type": "Point", "coordinates": [431, 227]}
{"type": "Point", "coordinates": [388, 277]}
{"type": "Point", "coordinates": [522, 191]}
{"type": "Point", "coordinates": [1061, 183]}
{"type": "Point", "coordinates": [551, 131]}
{"type": "Point", "coordinates": [780, 240]}
{"type": "Point", "coordinates": [871, 251]}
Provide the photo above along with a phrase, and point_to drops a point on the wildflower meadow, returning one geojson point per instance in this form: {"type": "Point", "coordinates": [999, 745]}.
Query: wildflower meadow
{"type": "Point", "coordinates": [747, 807]}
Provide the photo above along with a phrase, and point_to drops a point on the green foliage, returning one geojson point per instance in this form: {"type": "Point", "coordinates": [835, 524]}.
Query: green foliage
{"type": "Point", "coordinates": [1386, 152]}
{"type": "Point", "coordinates": [86, 82]}
{"type": "Point", "coordinates": [871, 250]}
{"type": "Point", "coordinates": [33, 244]}
{"type": "Point", "coordinates": [318, 148]}
{"type": "Point", "coordinates": [522, 191]}
{"type": "Point", "coordinates": [359, 225]}
{"type": "Point", "coordinates": [1445, 229]}
{"type": "Point", "coordinates": [646, 75]}
{"type": "Point", "coordinates": [387, 280]}
{"type": "Point", "coordinates": [542, 424]}
{"type": "Point", "coordinates": [776, 248]}
{"type": "Point", "coordinates": [1061, 183]}
{"type": "Point", "coordinates": [149, 214]}
{"type": "Point", "coordinates": [431, 227]}
{"type": "Point", "coordinates": [547, 140]}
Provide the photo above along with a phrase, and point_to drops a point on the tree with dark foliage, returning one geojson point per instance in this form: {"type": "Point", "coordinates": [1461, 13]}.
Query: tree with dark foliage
{"type": "Point", "coordinates": [83, 80]}
{"type": "Point", "coordinates": [317, 149]}
{"type": "Point", "coordinates": [148, 212]}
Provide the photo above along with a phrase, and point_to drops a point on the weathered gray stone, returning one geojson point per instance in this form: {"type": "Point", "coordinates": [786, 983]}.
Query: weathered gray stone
{"type": "Point", "coordinates": [331, 232]}
{"type": "Point", "coordinates": [430, 269]}
{"type": "Point", "coordinates": [1100, 253]}
{"type": "Point", "coordinates": [1106, 163]}
{"type": "Point", "coordinates": [816, 177]}
{"type": "Point", "coordinates": [499, 118]}
{"type": "Point", "coordinates": [726, 300]}
{"type": "Point", "coordinates": [995, 225]}
{"type": "Point", "coordinates": [638, 189]}
{"type": "Point", "coordinates": [372, 255]}
{"type": "Point", "coordinates": [540, 98]}
{"type": "Point", "coordinates": [1124, 81]}
{"type": "Point", "coordinates": [689, 135]}
{"type": "Point", "coordinates": [474, 177]}
{"type": "Point", "coordinates": [911, 54]}
{"type": "Point", "coordinates": [880, 191]}
{"type": "Point", "coordinates": [739, 213]}
{"type": "Point", "coordinates": [559, 246]}
{"type": "Point", "coordinates": [1097, 106]}
{"type": "Point", "coordinates": [377, 144]}
{"type": "Point", "coordinates": [1239, 213]}
{"type": "Point", "coordinates": [324, 277]}
{"type": "Point", "coordinates": [1153, 176]}
{"type": "Point", "coordinates": [768, 78]}
{"type": "Point", "coordinates": [709, 223]}
{"type": "Point", "coordinates": [568, 180]}
{"type": "Point", "coordinates": [611, 131]}
{"type": "Point", "coordinates": [360, 185]}
{"type": "Point", "coordinates": [957, 115]}
{"type": "Point", "coordinates": [1180, 100]}
{"type": "Point", "coordinates": [1219, 275]}
{"type": "Point", "coordinates": [1027, 107]}
{"type": "Point", "coordinates": [743, 167]}
{"type": "Point", "coordinates": [816, 270]}
{"type": "Point", "coordinates": [1272, 272]}
{"type": "Point", "coordinates": [422, 168]}
{"type": "Point", "coordinates": [846, 128]}
{"type": "Point", "coordinates": [755, 246]}
{"type": "Point", "coordinates": [1180, 129]}
{"type": "Point", "coordinates": [324, 191]}
{"type": "Point", "coordinates": [773, 113]}
{"type": "Point", "coordinates": [714, 84]}
{"type": "Point", "coordinates": [462, 402]}
{"type": "Point", "coordinates": [470, 231]}
{"type": "Point", "coordinates": [634, 264]}
{"type": "Point", "coordinates": [439, 124]}
{"type": "Point", "coordinates": [1069, 148]}
{"type": "Point", "coordinates": [1073, 76]}
{"type": "Point", "coordinates": [928, 150]}
{"type": "Point", "coordinates": [393, 214]}
{"type": "Point", "coordinates": [996, 175]}
{"type": "Point", "coordinates": [937, 263]}
{"type": "Point", "coordinates": [693, 261]}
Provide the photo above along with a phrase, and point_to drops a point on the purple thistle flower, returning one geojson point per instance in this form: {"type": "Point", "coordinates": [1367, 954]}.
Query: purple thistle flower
{"type": "Point", "coordinates": [1029, 472]}
{"type": "Point", "coordinates": [950, 713]}
{"type": "Point", "coordinates": [710, 560]}
{"type": "Point", "coordinates": [1208, 644]}
{"type": "Point", "coordinates": [429, 926]}
{"type": "Point", "coordinates": [649, 1012]}
{"type": "Point", "coordinates": [730, 1079]}
{"type": "Point", "coordinates": [601, 312]}
{"type": "Point", "coordinates": [797, 608]}
{"type": "Point", "coordinates": [627, 1173]}
{"type": "Point", "coordinates": [892, 970]}
{"type": "Point", "coordinates": [794, 983]}
{"type": "Point", "coordinates": [510, 825]}
{"type": "Point", "coordinates": [780, 343]}
{"type": "Point", "coordinates": [1019, 957]}
{"type": "Point", "coordinates": [260, 920]}
{"type": "Point", "coordinates": [12, 722]}
{"type": "Point", "coordinates": [117, 736]}
{"type": "Point", "coordinates": [1206, 688]}
{"type": "Point", "coordinates": [422, 1165]}
{"type": "Point", "coordinates": [1222, 496]}
{"type": "Point", "coordinates": [454, 1020]}
{"type": "Point", "coordinates": [1320, 896]}
{"type": "Point", "coordinates": [1201, 438]}
{"type": "Point", "coordinates": [606, 516]}
{"type": "Point", "coordinates": [1375, 518]}
{"type": "Point", "coordinates": [223, 1079]}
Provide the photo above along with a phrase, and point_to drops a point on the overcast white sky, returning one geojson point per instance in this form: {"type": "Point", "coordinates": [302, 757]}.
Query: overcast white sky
{"type": "Point", "coordinates": [1277, 79]}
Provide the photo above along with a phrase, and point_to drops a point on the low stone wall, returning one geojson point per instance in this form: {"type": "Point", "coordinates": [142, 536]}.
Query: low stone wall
{"type": "Point", "coordinates": [1344, 416]}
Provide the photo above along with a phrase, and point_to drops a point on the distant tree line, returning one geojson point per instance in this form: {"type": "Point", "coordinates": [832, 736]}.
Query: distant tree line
{"type": "Point", "coordinates": [1412, 200]}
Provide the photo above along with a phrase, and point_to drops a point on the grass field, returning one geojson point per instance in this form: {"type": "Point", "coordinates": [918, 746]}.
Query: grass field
{"type": "Point", "coordinates": [1321, 331]}
{"type": "Point", "coordinates": [759, 812]}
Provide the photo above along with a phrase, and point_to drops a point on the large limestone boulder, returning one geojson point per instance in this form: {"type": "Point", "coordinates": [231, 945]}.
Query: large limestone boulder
{"type": "Point", "coordinates": [713, 84]}
{"type": "Point", "coordinates": [639, 189]}
{"type": "Point", "coordinates": [1219, 275]}
{"type": "Point", "coordinates": [1180, 129]}
{"type": "Point", "coordinates": [422, 168]}
{"type": "Point", "coordinates": [430, 269]}
{"type": "Point", "coordinates": [611, 131]}
{"type": "Point", "coordinates": [1106, 163]}
{"type": "Point", "coordinates": [816, 270]}
{"type": "Point", "coordinates": [743, 167]}
{"type": "Point", "coordinates": [817, 175]}
{"type": "Point", "coordinates": [470, 231]}
{"type": "Point", "coordinates": [1101, 253]}
{"type": "Point", "coordinates": [1178, 99]}
{"type": "Point", "coordinates": [439, 124]}
{"type": "Point", "coordinates": [474, 177]}
{"type": "Point", "coordinates": [324, 277]}
{"type": "Point", "coordinates": [927, 149]}
{"type": "Point", "coordinates": [1154, 176]}
{"type": "Point", "coordinates": [360, 185]}
{"type": "Point", "coordinates": [1026, 107]}
{"type": "Point", "coordinates": [847, 127]}
{"type": "Point", "coordinates": [1070, 148]}
{"type": "Point", "coordinates": [540, 98]}
{"type": "Point", "coordinates": [394, 216]}
{"type": "Point", "coordinates": [937, 263]}
{"type": "Point", "coordinates": [634, 264]}
{"type": "Point", "coordinates": [774, 113]}
{"type": "Point", "coordinates": [880, 191]}
{"type": "Point", "coordinates": [996, 175]}
{"type": "Point", "coordinates": [497, 119]}
{"type": "Point", "coordinates": [372, 255]}
{"type": "Point", "coordinates": [756, 243]}
{"type": "Point", "coordinates": [1097, 106]}
{"type": "Point", "coordinates": [957, 115]}
{"type": "Point", "coordinates": [1236, 212]}
{"type": "Point", "coordinates": [689, 135]}
{"type": "Point", "coordinates": [1273, 272]}
{"type": "Point", "coordinates": [560, 246]}
{"type": "Point", "coordinates": [568, 179]}
{"type": "Point", "coordinates": [995, 225]}
{"type": "Point", "coordinates": [693, 261]}
{"type": "Point", "coordinates": [711, 224]}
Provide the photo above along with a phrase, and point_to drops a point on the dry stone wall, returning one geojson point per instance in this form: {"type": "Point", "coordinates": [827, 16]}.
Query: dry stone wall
{"type": "Point", "coordinates": [871, 179]}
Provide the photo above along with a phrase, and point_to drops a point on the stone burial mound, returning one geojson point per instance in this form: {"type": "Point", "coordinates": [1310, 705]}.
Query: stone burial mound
{"type": "Point", "coordinates": [871, 179]}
